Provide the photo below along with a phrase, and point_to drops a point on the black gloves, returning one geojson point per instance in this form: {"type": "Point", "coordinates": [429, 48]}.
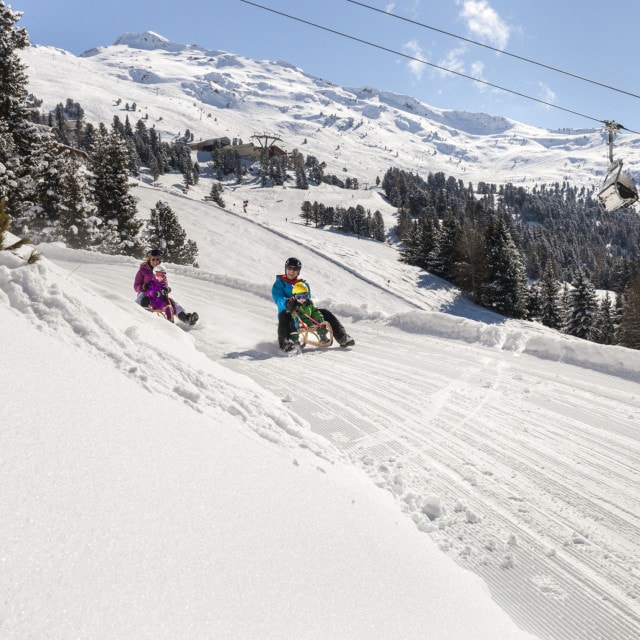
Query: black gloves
{"type": "Point", "coordinates": [145, 286]}
{"type": "Point", "coordinates": [165, 291]}
{"type": "Point", "coordinates": [290, 304]}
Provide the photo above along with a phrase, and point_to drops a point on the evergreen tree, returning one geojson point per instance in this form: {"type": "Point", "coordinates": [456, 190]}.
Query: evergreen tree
{"type": "Point", "coordinates": [164, 230]}
{"type": "Point", "coordinates": [505, 288]}
{"type": "Point", "coordinates": [535, 302]}
{"type": "Point", "coordinates": [306, 209]}
{"type": "Point", "coordinates": [60, 125]}
{"type": "Point", "coordinates": [19, 137]}
{"type": "Point", "coordinates": [444, 259]}
{"type": "Point", "coordinates": [552, 314]}
{"type": "Point", "coordinates": [44, 217]}
{"type": "Point", "coordinates": [77, 225]}
{"type": "Point", "coordinates": [583, 308]}
{"type": "Point", "coordinates": [378, 230]}
{"type": "Point", "coordinates": [629, 331]}
{"type": "Point", "coordinates": [607, 322]}
{"type": "Point", "coordinates": [316, 169]}
{"type": "Point", "coordinates": [216, 194]}
{"type": "Point", "coordinates": [405, 222]}
{"type": "Point", "coordinates": [410, 253]}
{"type": "Point", "coordinates": [301, 178]}
{"type": "Point", "coordinates": [114, 205]}
{"type": "Point", "coordinates": [427, 241]}
{"type": "Point", "coordinates": [471, 267]}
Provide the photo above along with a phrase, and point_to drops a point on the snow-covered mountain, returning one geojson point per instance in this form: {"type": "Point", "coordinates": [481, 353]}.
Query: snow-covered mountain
{"type": "Point", "coordinates": [163, 483]}
{"type": "Point", "coordinates": [359, 132]}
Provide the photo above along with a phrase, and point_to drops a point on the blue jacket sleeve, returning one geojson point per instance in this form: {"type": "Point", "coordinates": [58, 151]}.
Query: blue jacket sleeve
{"type": "Point", "coordinates": [279, 293]}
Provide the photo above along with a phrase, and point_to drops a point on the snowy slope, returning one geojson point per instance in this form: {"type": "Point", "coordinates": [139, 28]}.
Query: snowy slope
{"type": "Point", "coordinates": [148, 491]}
{"type": "Point", "coordinates": [512, 448]}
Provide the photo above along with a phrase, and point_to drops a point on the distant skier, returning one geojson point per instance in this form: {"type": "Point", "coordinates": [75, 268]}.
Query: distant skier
{"type": "Point", "coordinates": [282, 292]}
{"type": "Point", "coordinates": [142, 283]}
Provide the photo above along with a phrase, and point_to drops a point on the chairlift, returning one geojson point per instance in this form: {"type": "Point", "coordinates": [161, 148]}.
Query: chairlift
{"type": "Point", "coordinates": [618, 189]}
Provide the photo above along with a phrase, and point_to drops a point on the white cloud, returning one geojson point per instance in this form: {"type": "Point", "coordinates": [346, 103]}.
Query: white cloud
{"type": "Point", "coordinates": [484, 22]}
{"type": "Point", "coordinates": [477, 71]}
{"type": "Point", "coordinates": [414, 49]}
{"type": "Point", "coordinates": [453, 61]}
{"type": "Point", "coordinates": [410, 8]}
{"type": "Point", "coordinates": [546, 93]}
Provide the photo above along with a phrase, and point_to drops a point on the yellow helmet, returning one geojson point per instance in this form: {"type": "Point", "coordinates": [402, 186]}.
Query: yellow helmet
{"type": "Point", "coordinates": [300, 288]}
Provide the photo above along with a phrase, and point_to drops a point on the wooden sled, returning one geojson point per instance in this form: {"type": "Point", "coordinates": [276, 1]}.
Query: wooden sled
{"type": "Point", "coordinates": [167, 312]}
{"type": "Point", "coordinates": [308, 335]}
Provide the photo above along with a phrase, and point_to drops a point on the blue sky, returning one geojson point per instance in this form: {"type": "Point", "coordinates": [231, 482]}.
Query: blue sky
{"type": "Point", "coordinates": [578, 36]}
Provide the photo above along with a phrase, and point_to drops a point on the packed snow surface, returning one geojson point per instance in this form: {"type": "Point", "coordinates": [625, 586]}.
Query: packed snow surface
{"type": "Point", "coordinates": [454, 474]}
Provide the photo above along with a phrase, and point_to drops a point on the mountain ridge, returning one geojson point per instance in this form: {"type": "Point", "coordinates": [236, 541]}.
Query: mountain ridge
{"type": "Point", "coordinates": [218, 93]}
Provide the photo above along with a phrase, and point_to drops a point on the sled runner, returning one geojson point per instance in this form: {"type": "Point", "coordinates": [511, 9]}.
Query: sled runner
{"type": "Point", "coordinates": [308, 332]}
{"type": "Point", "coordinates": [167, 311]}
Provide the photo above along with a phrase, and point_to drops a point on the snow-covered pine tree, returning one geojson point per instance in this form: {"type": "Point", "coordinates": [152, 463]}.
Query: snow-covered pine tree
{"type": "Point", "coordinates": [534, 302]}
{"type": "Point", "coordinates": [216, 194]}
{"type": "Point", "coordinates": [471, 266]}
{"type": "Point", "coordinates": [306, 214]}
{"type": "Point", "coordinates": [77, 226]}
{"type": "Point", "coordinates": [505, 288]}
{"type": "Point", "coordinates": [629, 330]}
{"type": "Point", "coordinates": [443, 260]}
{"type": "Point", "coordinates": [607, 321]}
{"type": "Point", "coordinates": [553, 310]}
{"type": "Point", "coordinates": [301, 178]}
{"type": "Point", "coordinates": [379, 232]}
{"type": "Point", "coordinates": [583, 308]}
{"type": "Point", "coordinates": [410, 252]}
{"type": "Point", "coordinates": [114, 205]}
{"type": "Point", "coordinates": [164, 230]}
{"type": "Point", "coordinates": [19, 136]}
{"type": "Point", "coordinates": [316, 169]}
{"type": "Point", "coordinates": [43, 218]}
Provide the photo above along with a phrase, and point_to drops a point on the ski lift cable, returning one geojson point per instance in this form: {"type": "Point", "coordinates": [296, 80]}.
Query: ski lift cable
{"type": "Point", "coordinates": [430, 64]}
{"type": "Point", "coordinates": [486, 46]}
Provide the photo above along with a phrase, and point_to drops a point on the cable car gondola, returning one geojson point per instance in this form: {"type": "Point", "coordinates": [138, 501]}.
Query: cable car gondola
{"type": "Point", "coordinates": [618, 189]}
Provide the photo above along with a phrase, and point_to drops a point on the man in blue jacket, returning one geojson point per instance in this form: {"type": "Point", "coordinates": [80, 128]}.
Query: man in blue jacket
{"type": "Point", "coordinates": [281, 294]}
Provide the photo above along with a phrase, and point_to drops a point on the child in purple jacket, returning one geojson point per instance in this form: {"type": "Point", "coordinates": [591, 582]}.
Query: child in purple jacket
{"type": "Point", "coordinates": [154, 295]}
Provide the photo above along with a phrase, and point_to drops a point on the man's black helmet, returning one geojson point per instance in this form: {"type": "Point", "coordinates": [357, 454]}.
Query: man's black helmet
{"type": "Point", "coordinates": [155, 253]}
{"type": "Point", "coordinates": [293, 263]}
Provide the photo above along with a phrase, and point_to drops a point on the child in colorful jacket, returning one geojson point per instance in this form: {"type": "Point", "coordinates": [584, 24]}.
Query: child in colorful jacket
{"type": "Point", "coordinates": [156, 297]}
{"type": "Point", "coordinates": [304, 313]}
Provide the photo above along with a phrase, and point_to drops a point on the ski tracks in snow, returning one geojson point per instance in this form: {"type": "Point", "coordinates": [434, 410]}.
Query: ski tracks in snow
{"type": "Point", "coordinates": [523, 471]}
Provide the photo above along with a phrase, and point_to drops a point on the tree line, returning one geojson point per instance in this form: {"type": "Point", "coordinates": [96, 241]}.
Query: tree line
{"type": "Point", "coordinates": [356, 220]}
{"type": "Point", "coordinates": [535, 255]}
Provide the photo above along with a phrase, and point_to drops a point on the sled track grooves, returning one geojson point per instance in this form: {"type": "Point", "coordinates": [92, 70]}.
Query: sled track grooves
{"type": "Point", "coordinates": [513, 449]}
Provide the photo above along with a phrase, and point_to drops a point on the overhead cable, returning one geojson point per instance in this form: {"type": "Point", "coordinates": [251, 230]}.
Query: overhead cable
{"type": "Point", "coordinates": [486, 46]}
{"type": "Point", "coordinates": [430, 64]}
